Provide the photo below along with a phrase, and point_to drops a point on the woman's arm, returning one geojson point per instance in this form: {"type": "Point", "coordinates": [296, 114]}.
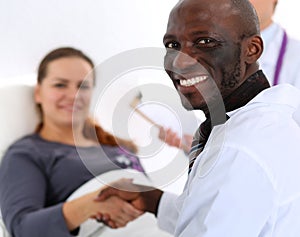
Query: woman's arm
{"type": "Point", "coordinates": [24, 189]}
{"type": "Point", "coordinates": [171, 138]}
{"type": "Point", "coordinates": [23, 197]}
{"type": "Point", "coordinates": [79, 210]}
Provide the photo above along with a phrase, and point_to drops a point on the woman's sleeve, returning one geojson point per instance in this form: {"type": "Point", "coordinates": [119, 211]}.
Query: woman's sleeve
{"type": "Point", "coordinates": [23, 194]}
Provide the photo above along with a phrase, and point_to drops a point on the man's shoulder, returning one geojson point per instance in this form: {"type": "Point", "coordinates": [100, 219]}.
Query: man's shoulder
{"type": "Point", "coordinates": [267, 114]}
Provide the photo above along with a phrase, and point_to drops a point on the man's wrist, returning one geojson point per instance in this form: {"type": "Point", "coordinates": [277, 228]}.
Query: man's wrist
{"type": "Point", "coordinates": [152, 199]}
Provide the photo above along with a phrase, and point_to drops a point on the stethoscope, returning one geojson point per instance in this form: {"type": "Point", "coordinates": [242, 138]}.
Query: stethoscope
{"type": "Point", "coordinates": [280, 58]}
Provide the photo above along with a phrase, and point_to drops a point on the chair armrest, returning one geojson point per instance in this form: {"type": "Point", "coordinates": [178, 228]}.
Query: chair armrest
{"type": "Point", "coordinates": [3, 231]}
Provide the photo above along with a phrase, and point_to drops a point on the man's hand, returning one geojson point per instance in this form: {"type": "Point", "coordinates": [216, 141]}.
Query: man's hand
{"type": "Point", "coordinates": [116, 212]}
{"type": "Point", "coordinates": [144, 198]}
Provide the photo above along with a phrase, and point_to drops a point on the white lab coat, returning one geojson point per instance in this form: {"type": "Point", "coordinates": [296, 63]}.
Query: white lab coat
{"type": "Point", "coordinates": [245, 183]}
{"type": "Point", "coordinates": [290, 72]}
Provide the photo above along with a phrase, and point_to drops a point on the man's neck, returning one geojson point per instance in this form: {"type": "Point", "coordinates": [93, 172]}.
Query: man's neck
{"type": "Point", "coordinates": [250, 88]}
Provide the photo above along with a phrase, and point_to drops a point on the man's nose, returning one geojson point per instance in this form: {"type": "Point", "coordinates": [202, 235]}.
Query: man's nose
{"type": "Point", "coordinates": [184, 61]}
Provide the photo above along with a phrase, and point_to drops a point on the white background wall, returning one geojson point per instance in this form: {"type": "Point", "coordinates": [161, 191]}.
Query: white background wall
{"type": "Point", "coordinates": [102, 28]}
{"type": "Point", "coordinates": [287, 14]}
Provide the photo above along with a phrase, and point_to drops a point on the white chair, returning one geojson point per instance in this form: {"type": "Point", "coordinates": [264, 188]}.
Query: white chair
{"type": "Point", "coordinates": [18, 118]}
{"type": "Point", "coordinates": [19, 114]}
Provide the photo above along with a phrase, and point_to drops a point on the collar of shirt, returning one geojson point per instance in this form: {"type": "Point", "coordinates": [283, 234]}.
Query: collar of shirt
{"type": "Point", "coordinates": [280, 94]}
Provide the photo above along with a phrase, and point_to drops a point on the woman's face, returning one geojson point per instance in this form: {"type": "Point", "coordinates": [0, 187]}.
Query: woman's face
{"type": "Point", "coordinates": [65, 93]}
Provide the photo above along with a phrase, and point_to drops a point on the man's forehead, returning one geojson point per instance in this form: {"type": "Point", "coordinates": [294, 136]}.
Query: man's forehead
{"type": "Point", "coordinates": [211, 5]}
{"type": "Point", "coordinates": [202, 9]}
{"type": "Point", "coordinates": [190, 13]}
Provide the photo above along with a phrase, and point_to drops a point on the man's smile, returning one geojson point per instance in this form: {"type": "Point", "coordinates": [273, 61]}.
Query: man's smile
{"type": "Point", "coordinates": [192, 81]}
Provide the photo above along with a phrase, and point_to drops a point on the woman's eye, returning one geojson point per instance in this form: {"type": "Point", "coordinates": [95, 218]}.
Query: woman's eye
{"type": "Point", "coordinates": [84, 86]}
{"type": "Point", "coordinates": [172, 45]}
{"type": "Point", "coordinates": [59, 85]}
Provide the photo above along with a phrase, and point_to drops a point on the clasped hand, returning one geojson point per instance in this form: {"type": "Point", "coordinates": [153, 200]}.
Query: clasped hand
{"type": "Point", "coordinates": [138, 198]}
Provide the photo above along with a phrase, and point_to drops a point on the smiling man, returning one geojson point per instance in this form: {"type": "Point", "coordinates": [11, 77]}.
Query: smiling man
{"type": "Point", "coordinates": [241, 182]}
{"type": "Point", "coordinates": [211, 50]}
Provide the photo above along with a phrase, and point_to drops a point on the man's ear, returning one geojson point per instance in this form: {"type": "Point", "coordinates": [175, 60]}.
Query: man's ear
{"type": "Point", "coordinates": [254, 49]}
{"type": "Point", "coordinates": [37, 97]}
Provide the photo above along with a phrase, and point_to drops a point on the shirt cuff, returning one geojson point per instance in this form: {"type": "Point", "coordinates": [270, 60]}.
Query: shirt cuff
{"type": "Point", "coordinates": [167, 212]}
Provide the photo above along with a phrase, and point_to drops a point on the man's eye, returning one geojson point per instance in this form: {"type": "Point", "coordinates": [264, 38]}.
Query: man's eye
{"type": "Point", "coordinates": [172, 45]}
{"type": "Point", "coordinates": [207, 42]}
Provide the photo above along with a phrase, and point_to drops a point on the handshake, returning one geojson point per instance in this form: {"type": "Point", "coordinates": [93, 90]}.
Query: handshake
{"type": "Point", "coordinates": [128, 201]}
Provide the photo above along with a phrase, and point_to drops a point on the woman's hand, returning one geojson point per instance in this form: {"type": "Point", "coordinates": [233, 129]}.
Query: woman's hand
{"type": "Point", "coordinates": [143, 198]}
{"type": "Point", "coordinates": [172, 139]}
{"type": "Point", "coordinates": [80, 209]}
{"type": "Point", "coordinates": [117, 212]}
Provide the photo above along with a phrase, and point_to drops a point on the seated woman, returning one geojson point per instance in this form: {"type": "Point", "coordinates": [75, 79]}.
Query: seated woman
{"type": "Point", "coordinates": [40, 171]}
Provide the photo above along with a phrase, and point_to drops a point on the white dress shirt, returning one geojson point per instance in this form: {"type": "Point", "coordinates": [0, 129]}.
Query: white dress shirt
{"type": "Point", "coordinates": [290, 71]}
{"type": "Point", "coordinates": [245, 183]}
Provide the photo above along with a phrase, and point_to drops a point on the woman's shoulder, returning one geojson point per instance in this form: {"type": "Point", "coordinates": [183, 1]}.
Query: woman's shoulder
{"type": "Point", "coordinates": [30, 146]}
{"type": "Point", "coordinates": [27, 142]}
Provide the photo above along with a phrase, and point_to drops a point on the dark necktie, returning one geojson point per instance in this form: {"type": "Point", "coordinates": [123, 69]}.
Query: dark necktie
{"type": "Point", "coordinates": [199, 141]}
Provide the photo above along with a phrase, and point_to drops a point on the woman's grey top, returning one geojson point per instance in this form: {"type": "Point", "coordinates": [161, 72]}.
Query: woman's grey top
{"type": "Point", "coordinates": [37, 176]}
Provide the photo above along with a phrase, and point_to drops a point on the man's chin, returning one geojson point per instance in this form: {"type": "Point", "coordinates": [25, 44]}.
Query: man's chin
{"type": "Point", "coordinates": [192, 102]}
{"type": "Point", "coordinates": [189, 106]}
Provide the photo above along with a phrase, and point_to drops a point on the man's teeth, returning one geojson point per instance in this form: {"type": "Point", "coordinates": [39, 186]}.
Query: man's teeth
{"type": "Point", "coordinates": [192, 81]}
